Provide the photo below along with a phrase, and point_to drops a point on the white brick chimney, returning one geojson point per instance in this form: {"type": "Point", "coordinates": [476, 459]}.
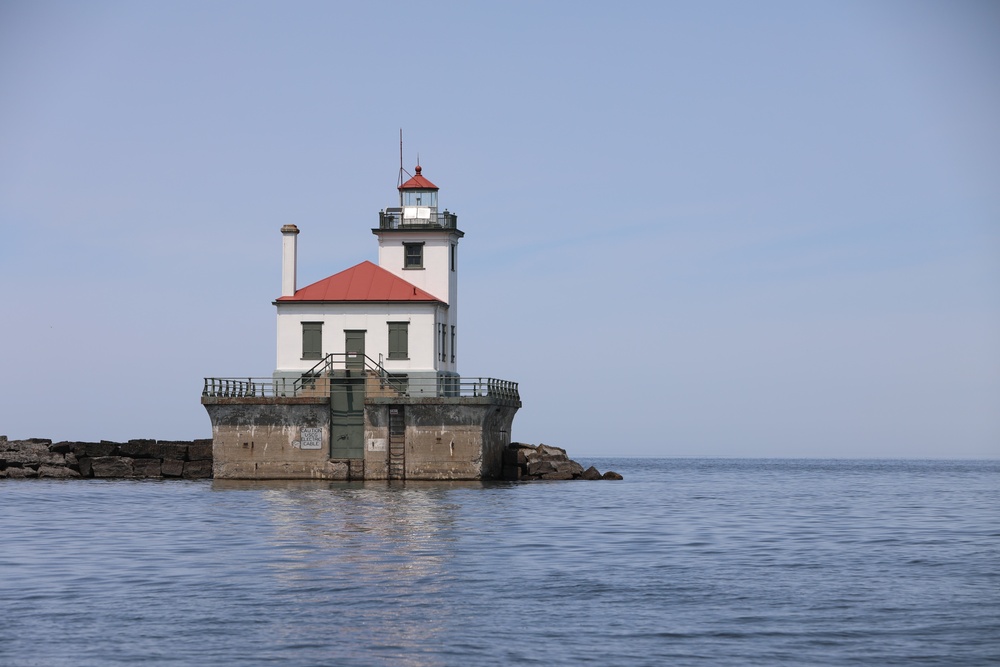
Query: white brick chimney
{"type": "Point", "coordinates": [289, 258]}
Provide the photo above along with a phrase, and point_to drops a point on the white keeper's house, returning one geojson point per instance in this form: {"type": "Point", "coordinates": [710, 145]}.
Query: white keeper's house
{"type": "Point", "coordinates": [401, 313]}
{"type": "Point", "coordinates": [366, 384]}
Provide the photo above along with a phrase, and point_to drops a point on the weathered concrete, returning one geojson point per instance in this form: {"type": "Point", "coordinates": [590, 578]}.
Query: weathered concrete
{"type": "Point", "coordinates": [260, 438]}
{"type": "Point", "coordinates": [444, 438]}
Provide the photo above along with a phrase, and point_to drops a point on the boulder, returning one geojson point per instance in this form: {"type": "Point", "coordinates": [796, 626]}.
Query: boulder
{"type": "Point", "coordinates": [541, 467]}
{"type": "Point", "coordinates": [611, 474]}
{"type": "Point", "coordinates": [558, 475]}
{"type": "Point", "coordinates": [86, 469]}
{"type": "Point", "coordinates": [172, 468]}
{"type": "Point", "coordinates": [95, 449]}
{"type": "Point", "coordinates": [25, 446]}
{"type": "Point", "coordinates": [197, 469]}
{"type": "Point", "coordinates": [141, 449]}
{"type": "Point", "coordinates": [172, 450]}
{"type": "Point", "coordinates": [199, 450]}
{"type": "Point", "coordinates": [20, 473]}
{"type": "Point", "coordinates": [146, 467]}
{"type": "Point", "coordinates": [62, 447]}
{"type": "Point", "coordinates": [32, 455]}
{"type": "Point", "coordinates": [111, 466]}
{"type": "Point", "coordinates": [59, 472]}
{"type": "Point", "coordinates": [551, 452]}
{"type": "Point", "coordinates": [591, 473]}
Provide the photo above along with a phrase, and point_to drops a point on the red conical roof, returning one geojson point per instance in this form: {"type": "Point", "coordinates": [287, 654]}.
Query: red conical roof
{"type": "Point", "coordinates": [418, 182]}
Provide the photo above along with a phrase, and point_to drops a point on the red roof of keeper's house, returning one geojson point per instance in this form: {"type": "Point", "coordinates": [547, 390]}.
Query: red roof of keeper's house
{"type": "Point", "coordinates": [418, 182]}
{"type": "Point", "coordinates": [364, 282]}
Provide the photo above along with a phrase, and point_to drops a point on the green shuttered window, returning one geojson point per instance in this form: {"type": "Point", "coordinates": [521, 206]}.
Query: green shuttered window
{"type": "Point", "coordinates": [312, 340]}
{"type": "Point", "coordinates": [399, 333]}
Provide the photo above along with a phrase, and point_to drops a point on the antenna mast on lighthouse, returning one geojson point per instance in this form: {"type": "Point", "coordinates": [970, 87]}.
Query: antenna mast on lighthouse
{"type": "Point", "coordinates": [399, 181]}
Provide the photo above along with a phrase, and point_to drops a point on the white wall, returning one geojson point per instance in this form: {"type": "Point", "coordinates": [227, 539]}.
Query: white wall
{"type": "Point", "coordinates": [436, 277]}
{"type": "Point", "coordinates": [374, 319]}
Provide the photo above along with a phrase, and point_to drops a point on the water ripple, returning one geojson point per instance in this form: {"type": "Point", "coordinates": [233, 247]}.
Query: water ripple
{"type": "Point", "coordinates": [686, 562]}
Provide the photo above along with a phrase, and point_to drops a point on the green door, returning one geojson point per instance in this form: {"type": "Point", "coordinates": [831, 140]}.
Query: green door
{"type": "Point", "coordinates": [347, 418]}
{"type": "Point", "coordinates": [354, 345]}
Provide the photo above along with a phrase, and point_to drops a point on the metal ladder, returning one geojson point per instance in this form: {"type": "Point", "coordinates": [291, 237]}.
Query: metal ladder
{"type": "Point", "coordinates": [397, 443]}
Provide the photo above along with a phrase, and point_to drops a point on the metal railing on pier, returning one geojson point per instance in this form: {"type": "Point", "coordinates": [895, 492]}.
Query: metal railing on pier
{"type": "Point", "coordinates": [395, 385]}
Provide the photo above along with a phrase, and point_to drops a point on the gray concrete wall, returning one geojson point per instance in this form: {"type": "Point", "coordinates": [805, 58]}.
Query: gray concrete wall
{"type": "Point", "coordinates": [262, 438]}
{"type": "Point", "coordinates": [446, 438]}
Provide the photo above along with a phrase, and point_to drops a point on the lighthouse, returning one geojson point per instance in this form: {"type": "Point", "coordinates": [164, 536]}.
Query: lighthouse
{"type": "Point", "coordinates": [401, 314]}
{"type": "Point", "coordinates": [366, 382]}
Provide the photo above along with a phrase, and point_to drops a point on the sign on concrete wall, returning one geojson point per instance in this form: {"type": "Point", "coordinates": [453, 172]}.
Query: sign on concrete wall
{"type": "Point", "coordinates": [376, 445]}
{"type": "Point", "coordinates": [312, 438]}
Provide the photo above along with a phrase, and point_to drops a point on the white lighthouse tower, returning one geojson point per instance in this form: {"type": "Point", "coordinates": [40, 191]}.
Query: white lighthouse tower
{"type": "Point", "coordinates": [419, 243]}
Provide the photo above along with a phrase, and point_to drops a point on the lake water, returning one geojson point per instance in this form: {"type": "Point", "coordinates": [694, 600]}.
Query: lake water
{"type": "Point", "coordinates": [685, 562]}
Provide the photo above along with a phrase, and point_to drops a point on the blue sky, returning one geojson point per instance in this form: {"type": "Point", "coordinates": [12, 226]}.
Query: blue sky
{"type": "Point", "coordinates": [713, 228]}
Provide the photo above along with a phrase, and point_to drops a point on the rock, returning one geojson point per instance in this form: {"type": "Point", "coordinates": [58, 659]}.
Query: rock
{"type": "Point", "coordinates": [71, 461]}
{"type": "Point", "coordinates": [172, 468]}
{"type": "Point", "coordinates": [199, 450]}
{"type": "Point", "coordinates": [111, 466]}
{"type": "Point", "coordinates": [20, 473]}
{"type": "Point", "coordinates": [26, 447]}
{"type": "Point", "coordinates": [612, 475]}
{"type": "Point", "coordinates": [551, 452]}
{"type": "Point", "coordinates": [591, 473]}
{"type": "Point", "coordinates": [146, 467]}
{"type": "Point", "coordinates": [140, 449]}
{"type": "Point", "coordinates": [558, 475]}
{"type": "Point", "coordinates": [197, 469]}
{"type": "Point", "coordinates": [541, 467]}
{"type": "Point", "coordinates": [95, 449]}
{"type": "Point", "coordinates": [31, 455]}
{"type": "Point", "coordinates": [62, 447]}
{"type": "Point", "coordinates": [172, 450]}
{"type": "Point", "coordinates": [59, 472]}
{"type": "Point", "coordinates": [86, 469]}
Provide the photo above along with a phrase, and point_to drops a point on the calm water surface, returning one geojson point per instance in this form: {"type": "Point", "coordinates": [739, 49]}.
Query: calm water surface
{"type": "Point", "coordinates": [686, 562]}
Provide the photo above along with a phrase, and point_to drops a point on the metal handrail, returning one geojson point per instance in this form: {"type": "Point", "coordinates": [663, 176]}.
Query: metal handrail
{"type": "Point", "coordinates": [328, 364]}
{"type": "Point", "coordinates": [392, 218]}
{"type": "Point", "coordinates": [441, 386]}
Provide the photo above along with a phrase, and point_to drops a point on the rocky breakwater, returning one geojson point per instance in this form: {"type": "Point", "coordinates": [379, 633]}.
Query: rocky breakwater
{"type": "Point", "coordinates": [38, 457]}
{"type": "Point", "coordinates": [524, 462]}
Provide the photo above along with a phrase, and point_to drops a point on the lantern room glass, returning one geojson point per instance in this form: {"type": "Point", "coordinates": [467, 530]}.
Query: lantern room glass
{"type": "Point", "coordinates": [420, 198]}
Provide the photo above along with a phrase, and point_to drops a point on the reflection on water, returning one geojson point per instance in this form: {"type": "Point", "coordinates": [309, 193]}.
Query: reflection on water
{"type": "Point", "coordinates": [686, 562]}
{"type": "Point", "coordinates": [381, 548]}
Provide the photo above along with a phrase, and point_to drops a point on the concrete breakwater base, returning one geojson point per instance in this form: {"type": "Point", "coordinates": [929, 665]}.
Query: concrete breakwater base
{"type": "Point", "coordinates": [39, 457]}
